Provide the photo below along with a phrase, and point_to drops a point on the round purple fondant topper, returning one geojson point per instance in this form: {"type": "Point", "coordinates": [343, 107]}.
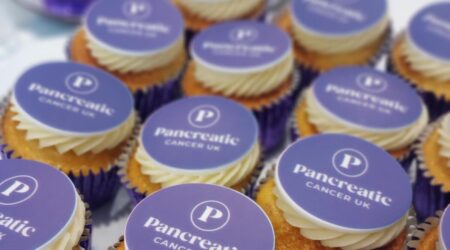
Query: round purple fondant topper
{"type": "Point", "coordinates": [344, 183]}
{"type": "Point", "coordinates": [337, 17]}
{"type": "Point", "coordinates": [445, 230]}
{"type": "Point", "coordinates": [200, 134]}
{"type": "Point", "coordinates": [429, 31]}
{"type": "Point", "coordinates": [134, 27]}
{"type": "Point", "coordinates": [198, 216]}
{"type": "Point", "coordinates": [241, 46]}
{"type": "Point", "coordinates": [73, 99]}
{"type": "Point", "coordinates": [37, 203]}
{"type": "Point", "coordinates": [368, 99]}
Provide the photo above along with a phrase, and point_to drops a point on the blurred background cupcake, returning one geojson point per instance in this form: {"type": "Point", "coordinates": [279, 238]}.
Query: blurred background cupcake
{"type": "Point", "coordinates": [67, 115]}
{"type": "Point", "coordinates": [337, 192]}
{"type": "Point", "coordinates": [432, 187]}
{"type": "Point", "coordinates": [421, 55]}
{"type": "Point", "coordinates": [360, 101]}
{"type": "Point", "coordinates": [433, 234]}
{"type": "Point", "coordinates": [200, 14]}
{"type": "Point", "coordinates": [329, 34]}
{"type": "Point", "coordinates": [251, 63]}
{"type": "Point", "coordinates": [40, 208]}
{"type": "Point", "coordinates": [194, 140]}
{"type": "Point", "coordinates": [139, 41]}
{"type": "Point", "coordinates": [206, 217]}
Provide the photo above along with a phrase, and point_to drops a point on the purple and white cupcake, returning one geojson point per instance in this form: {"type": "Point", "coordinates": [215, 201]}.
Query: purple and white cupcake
{"type": "Point", "coordinates": [67, 115]}
{"type": "Point", "coordinates": [433, 234]}
{"type": "Point", "coordinates": [360, 101]}
{"type": "Point", "coordinates": [40, 208]}
{"type": "Point", "coordinates": [197, 216]}
{"type": "Point", "coordinates": [330, 34]}
{"type": "Point", "coordinates": [339, 192]}
{"type": "Point", "coordinates": [141, 42]}
{"type": "Point", "coordinates": [251, 63]}
{"type": "Point", "coordinates": [194, 140]}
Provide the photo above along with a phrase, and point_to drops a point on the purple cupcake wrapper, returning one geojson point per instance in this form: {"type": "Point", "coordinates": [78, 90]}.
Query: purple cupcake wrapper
{"type": "Point", "coordinates": [428, 197]}
{"type": "Point", "coordinates": [437, 105]}
{"type": "Point", "coordinates": [86, 236]}
{"type": "Point", "coordinates": [68, 10]}
{"type": "Point", "coordinates": [96, 189]}
{"type": "Point", "coordinates": [137, 196]}
{"type": "Point", "coordinates": [422, 229]}
{"type": "Point", "coordinates": [147, 100]}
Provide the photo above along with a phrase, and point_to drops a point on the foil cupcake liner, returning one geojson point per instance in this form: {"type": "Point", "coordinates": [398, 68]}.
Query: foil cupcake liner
{"type": "Point", "coordinates": [437, 105]}
{"type": "Point", "coordinates": [96, 188]}
{"type": "Point", "coordinates": [138, 196]}
{"type": "Point", "coordinates": [429, 196]}
{"type": "Point", "coordinates": [422, 229]}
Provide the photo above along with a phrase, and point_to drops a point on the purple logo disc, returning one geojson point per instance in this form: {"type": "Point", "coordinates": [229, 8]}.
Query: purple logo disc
{"type": "Point", "coordinates": [343, 182]}
{"type": "Point", "coordinates": [73, 99]}
{"type": "Point", "coordinates": [204, 133]}
{"type": "Point", "coordinates": [366, 98]}
{"type": "Point", "coordinates": [445, 230]}
{"type": "Point", "coordinates": [30, 194]}
{"type": "Point", "coordinates": [198, 216]}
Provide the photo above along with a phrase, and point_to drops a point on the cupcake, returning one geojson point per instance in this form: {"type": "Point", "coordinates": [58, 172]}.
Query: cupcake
{"type": "Point", "coordinates": [40, 208]}
{"type": "Point", "coordinates": [366, 103]}
{"type": "Point", "coordinates": [199, 14]}
{"type": "Point", "coordinates": [204, 217]}
{"type": "Point", "coordinates": [251, 63]}
{"type": "Point", "coordinates": [434, 234]}
{"type": "Point", "coordinates": [329, 34]}
{"type": "Point", "coordinates": [194, 140]}
{"type": "Point", "coordinates": [421, 55]}
{"type": "Point", "coordinates": [432, 187]}
{"type": "Point", "coordinates": [67, 115]}
{"type": "Point", "coordinates": [141, 42]}
{"type": "Point", "coordinates": [337, 192]}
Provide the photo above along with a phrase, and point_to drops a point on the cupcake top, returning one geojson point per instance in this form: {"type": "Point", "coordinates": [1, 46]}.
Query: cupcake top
{"type": "Point", "coordinates": [133, 36]}
{"type": "Point", "coordinates": [444, 229]}
{"type": "Point", "coordinates": [332, 27]}
{"type": "Point", "coordinates": [200, 139]}
{"type": "Point", "coordinates": [426, 47]}
{"type": "Point", "coordinates": [73, 107]}
{"type": "Point", "coordinates": [330, 187]}
{"type": "Point", "coordinates": [363, 102]}
{"type": "Point", "coordinates": [199, 216]}
{"type": "Point", "coordinates": [242, 58]}
{"type": "Point", "coordinates": [221, 10]}
{"type": "Point", "coordinates": [39, 207]}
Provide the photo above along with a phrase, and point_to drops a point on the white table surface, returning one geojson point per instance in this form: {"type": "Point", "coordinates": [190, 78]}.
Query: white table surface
{"type": "Point", "coordinates": [27, 39]}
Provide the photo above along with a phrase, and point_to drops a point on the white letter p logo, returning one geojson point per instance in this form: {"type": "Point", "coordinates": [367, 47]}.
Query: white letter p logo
{"type": "Point", "coordinates": [16, 187]}
{"type": "Point", "coordinates": [210, 216]}
{"type": "Point", "coordinates": [350, 162]}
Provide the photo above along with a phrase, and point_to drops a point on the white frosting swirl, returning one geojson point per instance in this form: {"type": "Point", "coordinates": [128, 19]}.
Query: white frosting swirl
{"type": "Point", "coordinates": [228, 176]}
{"type": "Point", "coordinates": [68, 239]}
{"type": "Point", "coordinates": [392, 140]}
{"type": "Point", "coordinates": [220, 10]}
{"type": "Point", "coordinates": [65, 143]}
{"type": "Point", "coordinates": [245, 84]}
{"type": "Point", "coordinates": [444, 138]}
{"type": "Point", "coordinates": [425, 64]}
{"type": "Point", "coordinates": [338, 44]}
{"type": "Point", "coordinates": [337, 239]}
{"type": "Point", "coordinates": [122, 63]}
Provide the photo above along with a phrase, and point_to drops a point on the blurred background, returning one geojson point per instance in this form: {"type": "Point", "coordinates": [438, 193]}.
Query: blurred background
{"type": "Point", "coordinates": [35, 31]}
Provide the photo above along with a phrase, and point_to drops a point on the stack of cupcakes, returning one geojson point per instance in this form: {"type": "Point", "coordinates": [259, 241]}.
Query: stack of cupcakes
{"type": "Point", "coordinates": [40, 208]}
{"type": "Point", "coordinates": [201, 14]}
{"type": "Point", "coordinates": [251, 63]}
{"type": "Point", "coordinates": [432, 187]}
{"type": "Point", "coordinates": [194, 140]}
{"type": "Point", "coordinates": [337, 192]}
{"type": "Point", "coordinates": [140, 42]}
{"type": "Point", "coordinates": [329, 34]}
{"type": "Point", "coordinates": [434, 234]}
{"type": "Point", "coordinates": [67, 115]}
{"type": "Point", "coordinates": [197, 216]}
{"type": "Point", "coordinates": [421, 55]}
{"type": "Point", "coordinates": [360, 101]}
